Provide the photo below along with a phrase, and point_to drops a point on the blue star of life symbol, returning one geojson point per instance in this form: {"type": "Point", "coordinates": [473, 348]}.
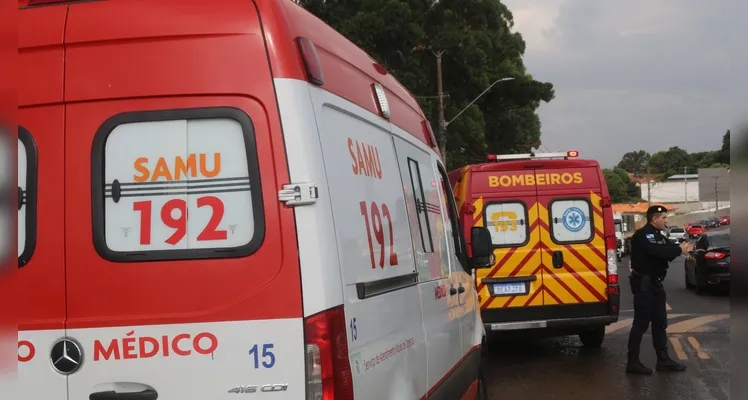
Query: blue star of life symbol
{"type": "Point", "coordinates": [573, 219]}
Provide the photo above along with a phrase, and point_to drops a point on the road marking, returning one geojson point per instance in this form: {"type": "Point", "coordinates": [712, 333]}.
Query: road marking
{"type": "Point", "coordinates": [625, 323]}
{"type": "Point", "coordinates": [678, 348]}
{"type": "Point", "coordinates": [696, 346]}
{"type": "Point", "coordinates": [667, 308]}
{"type": "Point", "coordinates": [693, 323]}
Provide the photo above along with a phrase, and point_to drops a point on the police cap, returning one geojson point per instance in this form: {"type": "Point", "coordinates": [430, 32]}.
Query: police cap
{"type": "Point", "coordinates": [655, 210]}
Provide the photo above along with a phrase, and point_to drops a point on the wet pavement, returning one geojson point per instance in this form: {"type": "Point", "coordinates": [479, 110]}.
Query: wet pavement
{"type": "Point", "coordinates": [560, 368]}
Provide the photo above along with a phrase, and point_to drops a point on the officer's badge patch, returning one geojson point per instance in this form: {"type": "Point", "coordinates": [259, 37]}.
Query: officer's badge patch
{"type": "Point", "coordinates": [650, 236]}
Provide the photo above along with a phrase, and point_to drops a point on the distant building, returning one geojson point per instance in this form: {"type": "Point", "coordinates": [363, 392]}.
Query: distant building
{"type": "Point", "coordinates": [676, 189]}
{"type": "Point", "coordinates": [688, 188]}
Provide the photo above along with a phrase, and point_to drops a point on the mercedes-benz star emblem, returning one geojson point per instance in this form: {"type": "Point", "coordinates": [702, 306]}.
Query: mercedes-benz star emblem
{"type": "Point", "coordinates": [66, 356]}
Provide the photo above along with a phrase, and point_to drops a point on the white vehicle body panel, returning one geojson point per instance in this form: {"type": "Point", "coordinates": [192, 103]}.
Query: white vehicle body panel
{"type": "Point", "coordinates": [135, 359]}
{"type": "Point", "coordinates": [36, 378]}
{"type": "Point", "coordinates": [403, 342]}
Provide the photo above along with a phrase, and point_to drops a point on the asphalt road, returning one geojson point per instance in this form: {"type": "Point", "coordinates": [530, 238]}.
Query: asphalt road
{"type": "Point", "coordinates": [560, 368]}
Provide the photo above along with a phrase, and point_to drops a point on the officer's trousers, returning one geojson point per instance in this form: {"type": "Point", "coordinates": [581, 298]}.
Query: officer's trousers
{"type": "Point", "coordinates": [649, 307]}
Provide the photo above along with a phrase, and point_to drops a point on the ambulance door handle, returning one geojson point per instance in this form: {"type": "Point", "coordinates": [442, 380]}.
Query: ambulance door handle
{"type": "Point", "coordinates": [148, 394]}
{"type": "Point", "coordinates": [558, 259]}
{"type": "Point", "coordinates": [452, 291]}
{"type": "Point", "coordinates": [461, 289]}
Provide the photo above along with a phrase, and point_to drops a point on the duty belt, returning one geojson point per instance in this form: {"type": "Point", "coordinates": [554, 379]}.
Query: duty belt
{"type": "Point", "coordinates": [652, 277]}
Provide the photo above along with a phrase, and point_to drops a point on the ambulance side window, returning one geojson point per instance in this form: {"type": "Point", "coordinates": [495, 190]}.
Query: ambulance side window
{"type": "Point", "coordinates": [27, 194]}
{"type": "Point", "coordinates": [457, 235]}
{"type": "Point", "coordinates": [507, 222]}
{"type": "Point", "coordinates": [571, 221]}
{"type": "Point", "coordinates": [427, 244]}
{"type": "Point", "coordinates": [177, 184]}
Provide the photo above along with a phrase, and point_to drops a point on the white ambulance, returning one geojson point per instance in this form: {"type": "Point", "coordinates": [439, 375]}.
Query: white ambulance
{"type": "Point", "coordinates": [227, 199]}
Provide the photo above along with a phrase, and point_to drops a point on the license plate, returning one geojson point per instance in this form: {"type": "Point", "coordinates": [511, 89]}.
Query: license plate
{"type": "Point", "coordinates": [503, 289]}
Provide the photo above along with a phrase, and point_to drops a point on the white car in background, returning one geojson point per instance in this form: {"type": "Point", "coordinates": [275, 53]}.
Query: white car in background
{"type": "Point", "coordinates": [676, 234]}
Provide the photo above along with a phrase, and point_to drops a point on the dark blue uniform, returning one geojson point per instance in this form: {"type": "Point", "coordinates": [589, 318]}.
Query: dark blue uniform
{"type": "Point", "coordinates": [651, 253]}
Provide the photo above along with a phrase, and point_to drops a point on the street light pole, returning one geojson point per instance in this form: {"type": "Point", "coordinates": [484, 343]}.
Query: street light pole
{"type": "Point", "coordinates": [440, 95]}
{"type": "Point", "coordinates": [476, 99]}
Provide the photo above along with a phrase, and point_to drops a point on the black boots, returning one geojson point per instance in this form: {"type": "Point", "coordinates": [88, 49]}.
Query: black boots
{"type": "Point", "coordinates": [635, 366]}
{"type": "Point", "coordinates": [665, 363]}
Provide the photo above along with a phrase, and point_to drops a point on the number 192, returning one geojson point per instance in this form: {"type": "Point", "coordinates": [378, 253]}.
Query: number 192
{"type": "Point", "coordinates": [210, 232]}
{"type": "Point", "coordinates": [376, 221]}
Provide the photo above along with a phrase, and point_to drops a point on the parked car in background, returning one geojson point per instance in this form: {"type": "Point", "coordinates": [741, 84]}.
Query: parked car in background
{"type": "Point", "coordinates": [709, 262]}
{"type": "Point", "coordinates": [713, 222]}
{"type": "Point", "coordinates": [695, 231]}
{"type": "Point", "coordinates": [689, 225]}
{"type": "Point", "coordinates": [677, 233]}
{"type": "Point", "coordinates": [724, 220]}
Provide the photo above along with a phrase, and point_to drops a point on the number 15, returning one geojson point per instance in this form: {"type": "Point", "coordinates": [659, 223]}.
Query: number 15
{"type": "Point", "coordinates": [266, 353]}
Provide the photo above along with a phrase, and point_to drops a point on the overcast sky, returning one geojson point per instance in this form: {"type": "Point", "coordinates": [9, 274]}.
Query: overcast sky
{"type": "Point", "coordinates": [637, 74]}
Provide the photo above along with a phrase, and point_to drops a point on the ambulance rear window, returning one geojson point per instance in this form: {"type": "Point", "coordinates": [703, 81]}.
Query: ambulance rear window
{"type": "Point", "coordinates": [178, 184]}
{"type": "Point", "coordinates": [507, 222]}
{"type": "Point", "coordinates": [570, 221]}
{"type": "Point", "coordinates": [27, 192]}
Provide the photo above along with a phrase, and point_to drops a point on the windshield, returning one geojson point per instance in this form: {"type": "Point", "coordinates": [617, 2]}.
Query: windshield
{"type": "Point", "coordinates": [696, 226]}
{"type": "Point", "coordinates": [719, 241]}
{"type": "Point", "coordinates": [677, 230]}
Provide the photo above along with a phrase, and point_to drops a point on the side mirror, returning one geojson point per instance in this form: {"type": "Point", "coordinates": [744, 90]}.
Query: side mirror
{"type": "Point", "coordinates": [482, 248]}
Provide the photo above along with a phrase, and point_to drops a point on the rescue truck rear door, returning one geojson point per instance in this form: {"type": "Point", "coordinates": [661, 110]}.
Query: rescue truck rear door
{"type": "Point", "coordinates": [505, 202]}
{"type": "Point", "coordinates": [183, 280]}
{"type": "Point", "coordinates": [572, 242]}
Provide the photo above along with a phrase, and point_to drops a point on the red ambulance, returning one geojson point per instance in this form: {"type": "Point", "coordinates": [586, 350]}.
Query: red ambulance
{"type": "Point", "coordinates": [554, 241]}
{"type": "Point", "coordinates": [229, 198]}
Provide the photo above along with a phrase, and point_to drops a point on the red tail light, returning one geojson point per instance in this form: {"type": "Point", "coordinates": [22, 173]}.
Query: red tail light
{"type": "Point", "coordinates": [611, 243]}
{"type": "Point", "coordinates": [328, 370]}
{"type": "Point", "coordinates": [312, 64]}
{"type": "Point", "coordinates": [612, 260]}
{"type": "Point", "coordinates": [715, 255]}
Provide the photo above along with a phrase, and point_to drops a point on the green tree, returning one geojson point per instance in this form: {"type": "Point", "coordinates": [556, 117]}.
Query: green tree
{"type": "Point", "coordinates": [635, 162]}
{"type": "Point", "coordinates": [670, 162]}
{"type": "Point", "coordinates": [620, 186]}
{"type": "Point", "coordinates": [478, 47]}
{"type": "Point", "coordinates": [724, 152]}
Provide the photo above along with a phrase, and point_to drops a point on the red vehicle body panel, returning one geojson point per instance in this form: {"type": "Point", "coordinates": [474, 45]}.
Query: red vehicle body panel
{"type": "Point", "coordinates": [91, 62]}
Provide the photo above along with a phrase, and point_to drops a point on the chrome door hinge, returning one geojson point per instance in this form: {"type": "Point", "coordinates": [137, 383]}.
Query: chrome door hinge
{"type": "Point", "coordinates": [298, 194]}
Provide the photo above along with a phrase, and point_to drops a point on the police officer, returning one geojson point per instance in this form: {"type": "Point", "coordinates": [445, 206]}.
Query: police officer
{"type": "Point", "coordinates": [651, 252]}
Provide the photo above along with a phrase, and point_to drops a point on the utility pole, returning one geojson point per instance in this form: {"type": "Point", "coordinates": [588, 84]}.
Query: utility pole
{"type": "Point", "coordinates": [685, 184]}
{"type": "Point", "coordinates": [649, 193]}
{"type": "Point", "coordinates": [442, 122]}
{"type": "Point", "coordinates": [649, 190]}
{"type": "Point", "coordinates": [716, 195]}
